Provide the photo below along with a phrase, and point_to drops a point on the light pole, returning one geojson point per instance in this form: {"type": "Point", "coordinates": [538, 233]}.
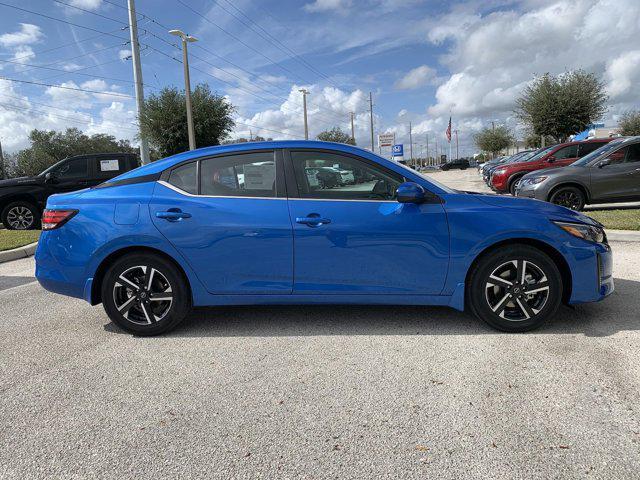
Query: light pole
{"type": "Point", "coordinates": [187, 84]}
{"type": "Point", "coordinates": [353, 130]}
{"type": "Point", "coordinates": [304, 106]}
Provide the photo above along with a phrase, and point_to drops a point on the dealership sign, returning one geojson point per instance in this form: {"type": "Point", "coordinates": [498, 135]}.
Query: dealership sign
{"type": "Point", "coordinates": [398, 150]}
{"type": "Point", "coordinates": [386, 139]}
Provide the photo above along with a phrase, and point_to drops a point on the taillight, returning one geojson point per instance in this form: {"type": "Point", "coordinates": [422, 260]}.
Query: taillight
{"type": "Point", "coordinates": [52, 219]}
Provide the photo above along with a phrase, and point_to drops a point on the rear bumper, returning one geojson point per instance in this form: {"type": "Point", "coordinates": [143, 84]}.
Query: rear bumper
{"type": "Point", "coordinates": [50, 274]}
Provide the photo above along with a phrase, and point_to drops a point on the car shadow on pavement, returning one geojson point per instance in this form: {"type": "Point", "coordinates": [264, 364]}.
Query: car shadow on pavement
{"type": "Point", "coordinates": [619, 312]}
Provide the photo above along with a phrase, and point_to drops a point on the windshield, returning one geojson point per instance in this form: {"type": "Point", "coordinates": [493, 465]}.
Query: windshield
{"type": "Point", "coordinates": [53, 167]}
{"type": "Point", "coordinates": [541, 153]}
{"type": "Point", "coordinates": [596, 153]}
{"type": "Point", "coordinates": [528, 156]}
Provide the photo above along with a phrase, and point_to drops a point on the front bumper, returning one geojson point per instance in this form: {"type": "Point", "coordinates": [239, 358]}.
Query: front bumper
{"type": "Point", "coordinates": [531, 191]}
{"type": "Point", "coordinates": [592, 274]}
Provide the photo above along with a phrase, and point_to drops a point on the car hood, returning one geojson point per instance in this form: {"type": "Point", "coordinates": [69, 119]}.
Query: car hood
{"type": "Point", "coordinates": [530, 206]}
{"type": "Point", "coordinates": [12, 182]}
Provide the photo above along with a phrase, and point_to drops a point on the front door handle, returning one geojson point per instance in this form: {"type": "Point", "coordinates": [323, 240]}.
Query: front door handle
{"type": "Point", "coordinates": [173, 215]}
{"type": "Point", "coordinates": [313, 220]}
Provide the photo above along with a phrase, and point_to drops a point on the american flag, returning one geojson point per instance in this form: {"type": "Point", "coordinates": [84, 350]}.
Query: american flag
{"type": "Point", "coordinates": [449, 131]}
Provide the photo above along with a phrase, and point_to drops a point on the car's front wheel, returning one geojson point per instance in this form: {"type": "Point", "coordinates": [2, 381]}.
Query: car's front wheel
{"type": "Point", "coordinates": [570, 197]}
{"type": "Point", "coordinates": [515, 288]}
{"type": "Point", "coordinates": [145, 294]}
{"type": "Point", "coordinates": [20, 216]}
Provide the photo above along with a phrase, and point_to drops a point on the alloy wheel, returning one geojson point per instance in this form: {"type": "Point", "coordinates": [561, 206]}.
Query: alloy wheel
{"type": "Point", "coordinates": [568, 199]}
{"type": "Point", "coordinates": [20, 218]}
{"type": "Point", "coordinates": [517, 290]}
{"type": "Point", "coordinates": [142, 295]}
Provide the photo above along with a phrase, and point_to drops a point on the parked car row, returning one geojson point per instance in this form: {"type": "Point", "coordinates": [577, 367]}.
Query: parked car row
{"type": "Point", "coordinates": [602, 170]}
{"type": "Point", "coordinates": [23, 199]}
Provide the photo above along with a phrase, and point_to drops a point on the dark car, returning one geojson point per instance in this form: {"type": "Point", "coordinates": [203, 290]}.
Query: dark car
{"type": "Point", "coordinates": [461, 163]}
{"type": "Point", "coordinates": [518, 157]}
{"type": "Point", "coordinates": [23, 199]}
{"type": "Point", "coordinates": [505, 179]}
{"type": "Point", "coordinates": [609, 174]}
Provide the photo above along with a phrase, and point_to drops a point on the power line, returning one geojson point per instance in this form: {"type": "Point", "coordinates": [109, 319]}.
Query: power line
{"type": "Point", "coordinates": [113, 94]}
{"type": "Point", "coordinates": [239, 40]}
{"type": "Point", "coordinates": [60, 20]}
{"type": "Point", "coordinates": [89, 11]}
{"type": "Point", "coordinates": [271, 39]}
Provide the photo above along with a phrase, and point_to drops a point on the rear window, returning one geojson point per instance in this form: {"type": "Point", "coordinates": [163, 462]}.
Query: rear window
{"type": "Point", "coordinates": [185, 178]}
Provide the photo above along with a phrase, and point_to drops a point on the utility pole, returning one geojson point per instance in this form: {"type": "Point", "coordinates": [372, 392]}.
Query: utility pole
{"type": "Point", "coordinates": [353, 131]}
{"type": "Point", "coordinates": [437, 160]}
{"type": "Point", "coordinates": [371, 119]}
{"type": "Point", "coordinates": [457, 151]}
{"type": "Point", "coordinates": [187, 83]}
{"type": "Point", "coordinates": [410, 143]}
{"type": "Point", "coordinates": [137, 76]}
{"type": "Point", "coordinates": [3, 170]}
{"type": "Point", "coordinates": [428, 160]}
{"type": "Point", "coordinates": [304, 107]}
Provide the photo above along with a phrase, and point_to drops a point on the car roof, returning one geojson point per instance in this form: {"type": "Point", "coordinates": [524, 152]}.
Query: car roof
{"type": "Point", "coordinates": [161, 165]}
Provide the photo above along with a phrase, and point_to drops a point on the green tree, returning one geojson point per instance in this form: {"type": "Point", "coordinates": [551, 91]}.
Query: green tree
{"type": "Point", "coordinates": [48, 147]}
{"type": "Point", "coordinates": [630, 123]}
{"type": "Point", "coordinates": [559, 106]}
{"type": "Point", "coordinates": [531, 140]}
{"type": "Point", "coordinates": [493, 139]}
{"type": "Point", "coordinates": [164, 119]}
{"type": "Point", "coordinates": [336, 135]}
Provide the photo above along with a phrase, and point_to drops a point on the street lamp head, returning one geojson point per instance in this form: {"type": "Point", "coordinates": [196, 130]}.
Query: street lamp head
{"type": "Point", "coordinates": [184, 36]}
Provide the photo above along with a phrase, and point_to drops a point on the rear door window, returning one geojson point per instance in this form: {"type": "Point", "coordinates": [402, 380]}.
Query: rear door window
{"type": "Point", "coordinates": [185, 178]}
{"type": "Point", "coordinates": [105, 167]}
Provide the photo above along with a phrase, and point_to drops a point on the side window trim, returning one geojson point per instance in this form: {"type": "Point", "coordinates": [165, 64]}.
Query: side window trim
{"type": "Point", "coordinates": [292, 184]}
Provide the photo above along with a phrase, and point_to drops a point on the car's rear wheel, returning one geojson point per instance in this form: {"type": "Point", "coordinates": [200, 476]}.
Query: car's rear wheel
{"type": "Point", "coordinates": [145, 294]}
{"type": "Point", "coordinates": [20, 216]}
{"type": "Point", "coordinates": [515, 289]}
{"type": "Point", "coordinates": [570, 197]}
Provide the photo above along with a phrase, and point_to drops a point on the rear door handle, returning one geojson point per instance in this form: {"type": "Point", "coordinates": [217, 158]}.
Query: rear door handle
{"type": "Point", "coordinates": [173, 215]}
{"type": "Point", "coordinates": [313, 220]}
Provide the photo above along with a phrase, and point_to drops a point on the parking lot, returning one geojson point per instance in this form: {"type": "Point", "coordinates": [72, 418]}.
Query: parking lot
{"type": "Point", "coordinates": [320, 392]}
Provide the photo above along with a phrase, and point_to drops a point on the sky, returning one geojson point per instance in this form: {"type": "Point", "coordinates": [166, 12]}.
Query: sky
{"type": "Point", "coordinates": [423, 61]}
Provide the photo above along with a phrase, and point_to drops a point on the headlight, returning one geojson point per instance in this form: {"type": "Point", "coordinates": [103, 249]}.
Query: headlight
{"type": "Point", "coordinates": [533, 181]}
{"type": "Point", "coordinates": [582, 230]}
{"type": "Point", "coordinates": [499, 171]}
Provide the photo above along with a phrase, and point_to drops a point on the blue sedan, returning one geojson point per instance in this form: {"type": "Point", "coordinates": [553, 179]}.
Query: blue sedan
{"type": "Point", "coordinates": [257, 224]}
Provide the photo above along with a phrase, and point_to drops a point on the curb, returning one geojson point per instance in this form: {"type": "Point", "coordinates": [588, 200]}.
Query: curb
{"type": "Point", "coordinates": [623, 235]}
{"type": "Point", "coordinates": [17, 253]}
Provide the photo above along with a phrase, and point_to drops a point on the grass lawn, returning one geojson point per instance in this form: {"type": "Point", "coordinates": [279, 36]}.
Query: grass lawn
{"type": "Point", "coordinates": [617, 219]}
{"type": "Point", "coordinates": [17, 238]}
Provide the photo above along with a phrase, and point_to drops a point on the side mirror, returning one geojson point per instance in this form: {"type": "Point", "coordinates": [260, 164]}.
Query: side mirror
{"type": "Point", "coordinates": [410, 192]}
{"type": "Point", "coordinates": [551, 159]}
{"type": "Point", "coordinates": [604, 163]}
{"type": "Point", "coordinates": [51, 177]}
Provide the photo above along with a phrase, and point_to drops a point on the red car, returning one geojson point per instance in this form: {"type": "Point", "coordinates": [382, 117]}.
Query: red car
{"type": "Point", "coordinates": [505, 178]}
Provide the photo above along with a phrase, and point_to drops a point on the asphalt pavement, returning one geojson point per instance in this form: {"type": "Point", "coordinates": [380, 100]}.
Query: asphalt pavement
{"type": "Point", "coordinates": [319, 392]}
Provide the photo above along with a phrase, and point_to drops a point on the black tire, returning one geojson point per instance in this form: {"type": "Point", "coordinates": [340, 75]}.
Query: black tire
{"type": "Point", "coordinates": [142, 315]}
{"type": "Point", "coordinates": [21, 215]}
{"type": "Point", "coordinates": [512, 184]}
{"type": "Point", "coordinates": [570, 197]}
{"type": "Point", "coordinates": [509, 308]}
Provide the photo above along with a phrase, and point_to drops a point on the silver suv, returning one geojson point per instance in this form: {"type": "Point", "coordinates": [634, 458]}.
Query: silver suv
{"type": "Point", "coordinates": [607, 175]}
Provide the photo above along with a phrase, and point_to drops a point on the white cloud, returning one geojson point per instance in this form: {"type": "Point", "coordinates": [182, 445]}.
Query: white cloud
{"type": "Point", "coordinates": [491, 58]}
{"type": "Point", "coordinates": [326, 107]}
{"type": "Point", "coordinates": [117, 119]}
{"type": "Point", "coordinates": [28, 34]}
{"type": "Point", "coordinates": [327, 5]}
{"type": "Point", "coordinates": [23, 54]}
{"type": "Point", "coordinates": [88, 4]}
{"type": "Point", "coordinates": [623, 74]}
{"type": "Point", "coordinates": [415, 78]}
